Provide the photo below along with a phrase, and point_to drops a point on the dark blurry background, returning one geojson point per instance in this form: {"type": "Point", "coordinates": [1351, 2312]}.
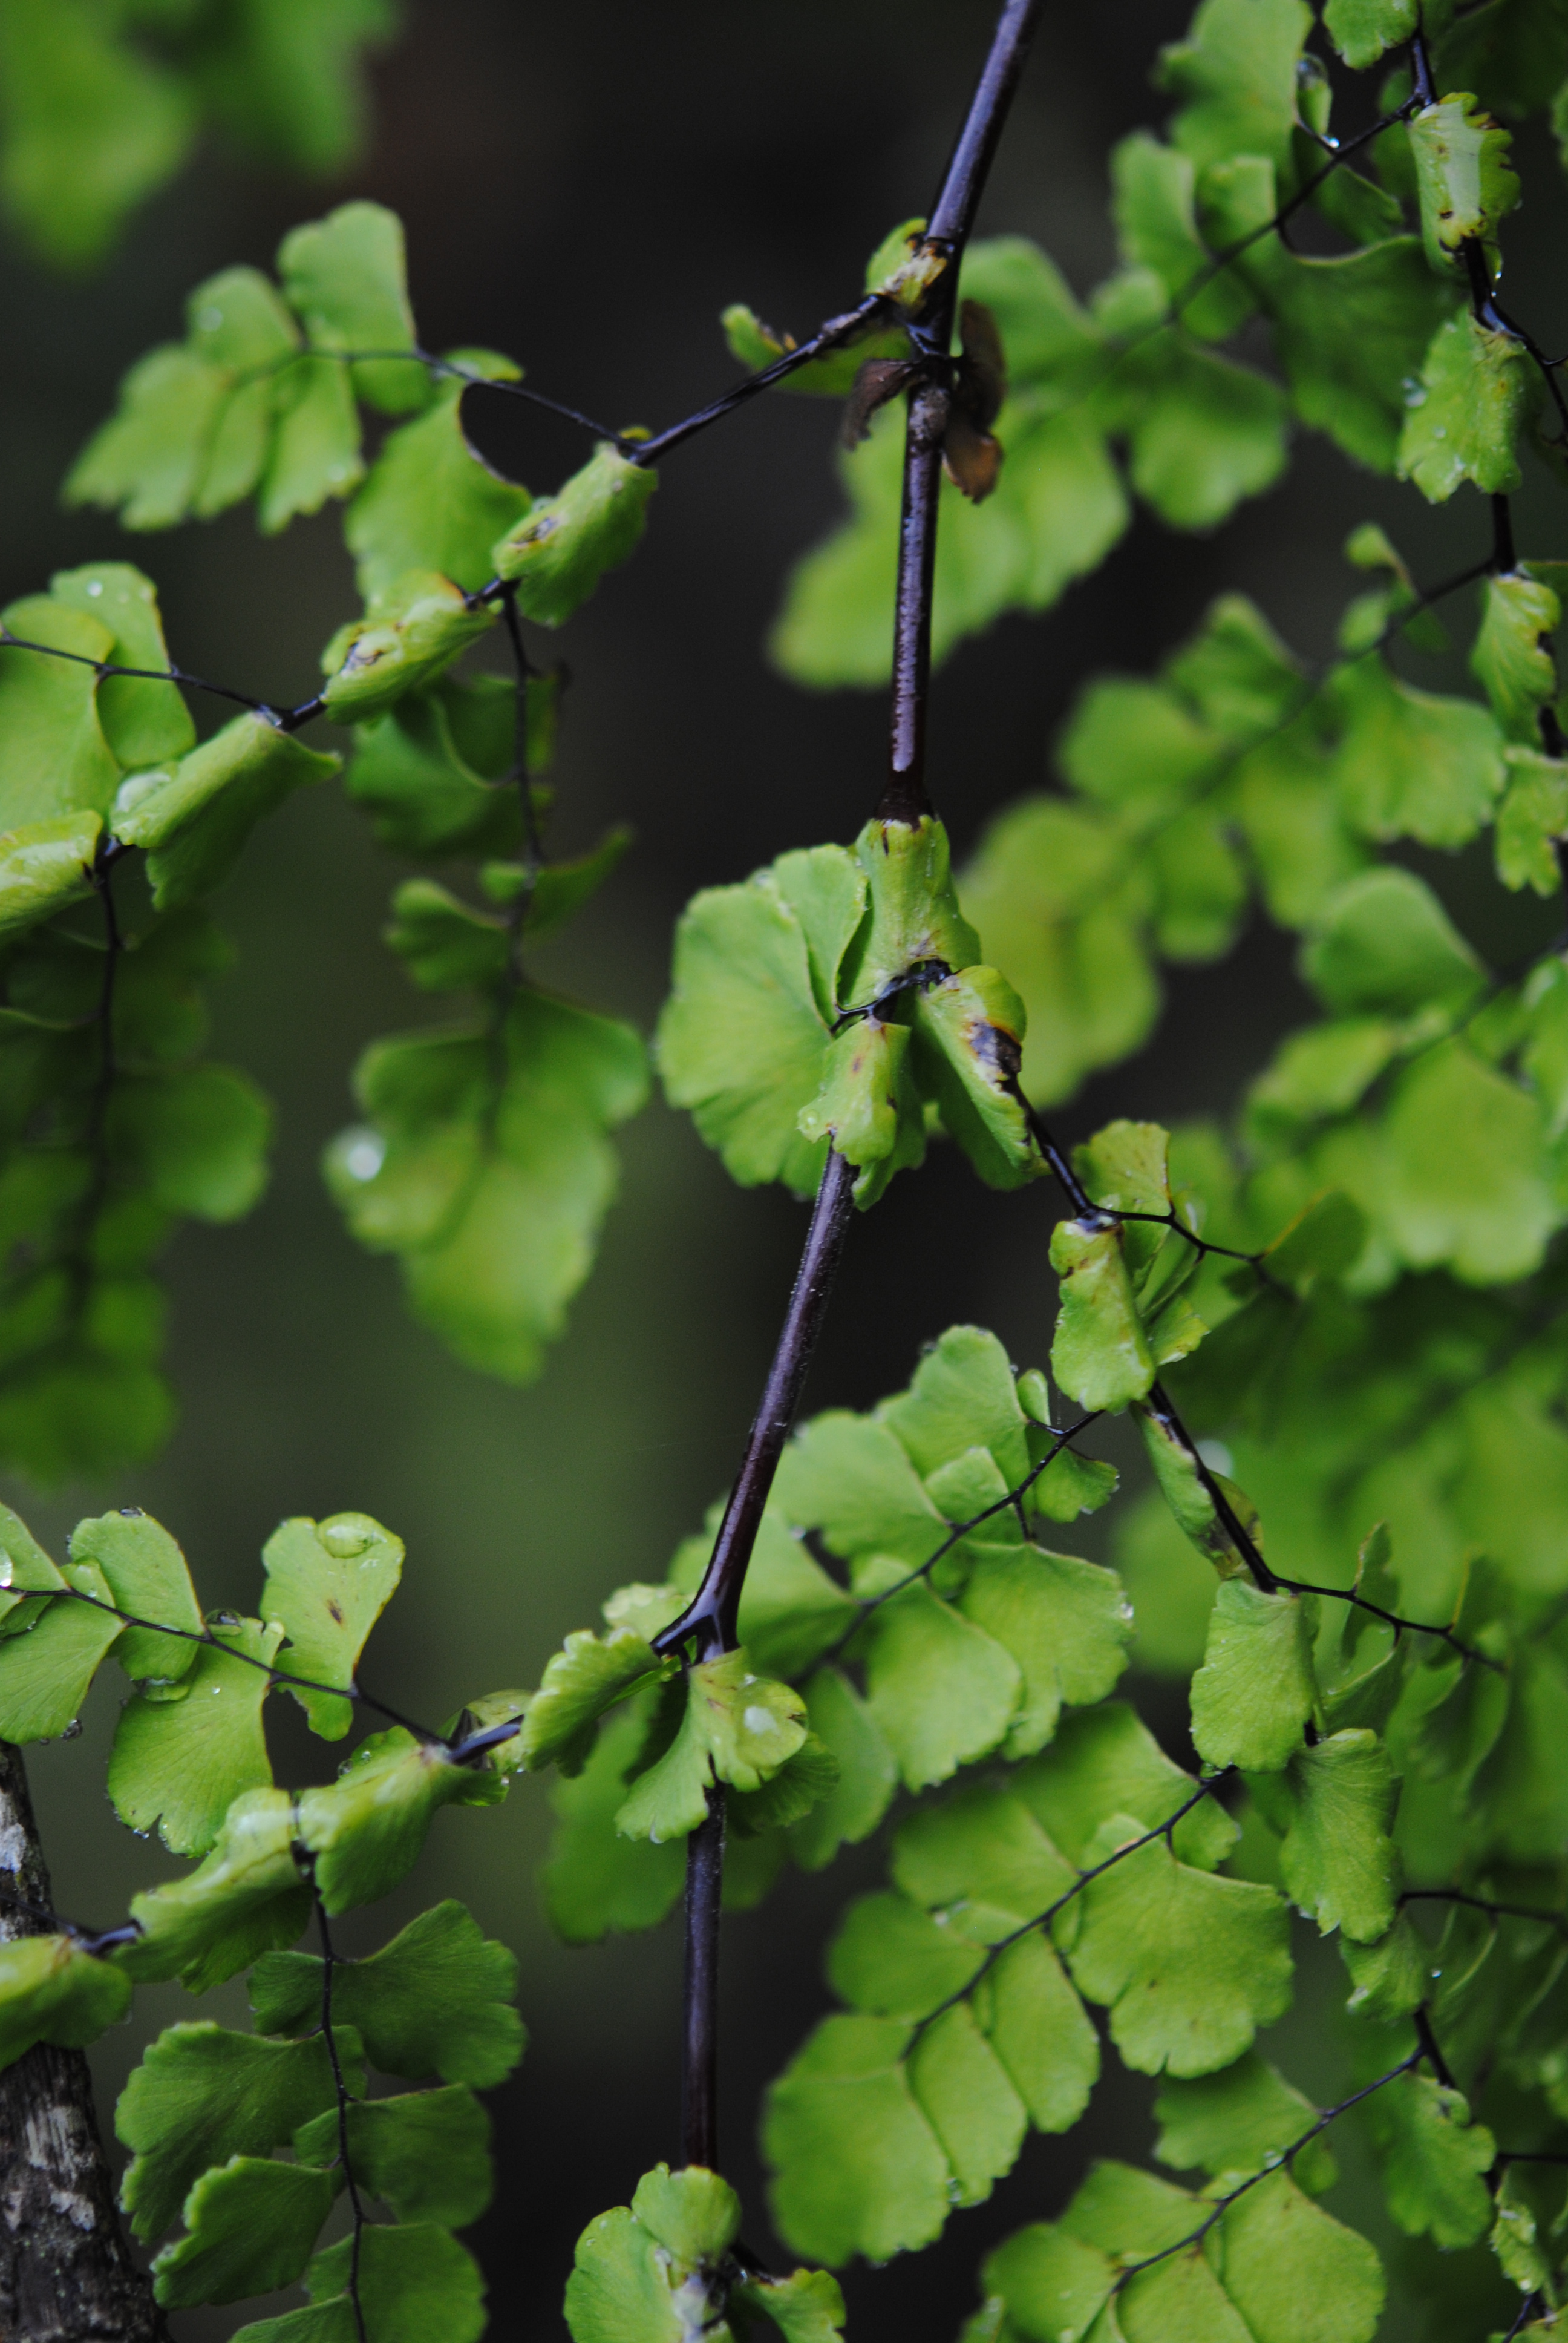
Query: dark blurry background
{"type": "Point", "coordinates": [586, 189]}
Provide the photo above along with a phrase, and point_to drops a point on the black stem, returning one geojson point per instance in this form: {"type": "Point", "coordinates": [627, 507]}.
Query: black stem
{"type": "Point", "coordinates": [905, 797]}
{"type": "Point", "coordinates": [969, 167]}
{"type": "Point", "coordinates": [699, 2064]}
{"type": "Point", "coordinates": [1484, 1903]}
{"type": "Point", "coordinates": [828, 337]}
{"type": "Point", "coordinates": [709, 1618]}
{"type": "Point", "coordinates": [328, 1963]}
{"type": "Point", "coordinates": [1430, 2050]}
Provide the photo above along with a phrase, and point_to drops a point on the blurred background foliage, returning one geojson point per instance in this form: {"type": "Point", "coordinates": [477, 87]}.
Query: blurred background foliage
{"type": "Point", "coordinates": [586, 189]}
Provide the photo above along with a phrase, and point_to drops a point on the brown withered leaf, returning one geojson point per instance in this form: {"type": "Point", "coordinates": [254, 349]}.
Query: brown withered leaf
{"type": "Point", "coordinates": [879, 380]}
{"type": "Point", "coordinates": [971, 455]}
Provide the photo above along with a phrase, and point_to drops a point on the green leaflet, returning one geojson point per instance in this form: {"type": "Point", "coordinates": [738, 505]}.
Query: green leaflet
{"type": "Point", "coordinates": [1157, 229]}
{"type": "Point", "coordinates": [1101, 1354]}
{"type": "Point", "coordinates": [366, 1830]}
{"type": "Point", "coordinates": [914, 916]}
{"type": "Point", "coordinates": [202, 2094]}
{"type": "Point", "coordinates": [181, 1763]}
{"type": "Point", "coordinates": [1362, 29]}
{"type": "Point", "coordinates": [852, 1478]}
{"type": "Point", "coordinates": [1338, 1860]}
{"type": "Point", "coordinates": [579, 1682]}
{"type": "Point", "coordinates": [969, 1037]}
{"type": "Point", "coordinates": [660, 2267]}
{"type": "Point", "coordinates": [761, 975]}
{"type": "Point", "coordinates": [251, 2225]}
{"type": "Point", "coordinates": [52, 1991]}
{"type": "Point", "coordinates": [193, 817]}
{"type": "Point", "coordinates": [1432, 2158]}
{"type": "Point", "coordinates": [963, 1394]}
{"type": "Point", "coordinates": [859, 2168]}
{"type": "Point", "coordinates": [1074, 898]}
{"type": "Point", "coordinates": [940, 1690]}
{"type": "Point", "coordinates": [145, 1574]}
{"type": "Point", "coordinates": [1512, 655]}
{"type": "Point", "coordinates": [492, 1200]}
{"type": "Point", "coordinates": [430, 502]}
{"type": "Point", "coordinates": [55, 757]}
{"type": "Point", "coordinates": [407, 638]}
{"type": "Point", "coordinates": [594, 1880]}
{"type": "Point", "coordinates": [413, 2282]}
{"type": "Point", "coordinates": [239, 408]}
{"type": "Point", "coordinates": [1235, 2121]}
{"type": "Point", "coordinates": [1531, 817]}
{"type": "Point", "coordinates": [245, 1898]}
{"type": "Point", "coordinates": [1255, 1690]}
{"type": "Point", "coordinates": [1408, 765]}
{"type": "Point", "coordinates": [1066, 1622]}
{"type": "Point", "coordinates": [345, 277]}
{"type": "Point", "coordinates": [742, 1036]}
{"type": "Point", "coordinates": [737, 1727]}
{"type": "Point", "coordinates": [423, 771]}
{"type": "Point", "coordinates": [559, 550]}
{"type": "Point", "coordinates": [1188, 1966]}
{"type": "Point", "coordinates": [44, 867]}
{"type": "Point", "coordinates": [1461, 176]}
{"type": "Point", "coordinates": [867, 1774]}
{"type": "Point", "coordinates": [1106, 1762]}
{"type": "Point", "coordinates": [143, 722]}
{"type": "Point", "coordinates": [48, 1665]}
{"type": "Point", "coordinates": [437, 2000]}
{"type": "Point", "coordinates": [426, 2154]}
{"type": "Point", "coordinates": [1473, 387]}
{"type": "Point", "coordinates": [1284, 2272]}
{"type": "Point", "coordinates": [1350, 332]}
{"type": "Point", "coordinates": [1386, 947]}
{"type": "Point", "coordinates": [1235, 78]}
{"type": "Point", "coordinates": [93, 1174]}
{"type": "Point", "coordinates": [93, 125]}
{"type": "Point", "coordinates": [327, 1584]}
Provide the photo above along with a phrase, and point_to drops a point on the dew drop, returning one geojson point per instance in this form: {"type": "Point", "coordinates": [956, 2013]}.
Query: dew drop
{"type": "Point", "coordinates": [362, 1153]}
{"type": "Point", "coordinates": [94, 585]}
{"type": "Point", "coordinates": [72, 1730]}
{"type": "Point", "coordinates": [343, 1540]}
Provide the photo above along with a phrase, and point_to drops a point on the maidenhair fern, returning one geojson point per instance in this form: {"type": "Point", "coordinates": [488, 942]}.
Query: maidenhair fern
{"type": "Point", "coordinates": [1335, 1321]}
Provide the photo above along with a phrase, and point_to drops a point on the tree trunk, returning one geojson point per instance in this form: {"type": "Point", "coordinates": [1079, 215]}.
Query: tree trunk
{"type": "Point", "coordinates": [66, 2274]}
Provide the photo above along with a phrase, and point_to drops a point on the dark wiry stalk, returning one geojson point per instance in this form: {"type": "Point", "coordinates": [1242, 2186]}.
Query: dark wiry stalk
{"type": "Point", "coordinates": [699, 2051]}
{"type": "Point", "coordinates": [328, 1963]}
{"type": "Point", "coordinates": [707, 1625]}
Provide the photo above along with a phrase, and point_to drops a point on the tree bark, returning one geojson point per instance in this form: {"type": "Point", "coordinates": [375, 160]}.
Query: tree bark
{"type": "Point", "coordinates": [67, 2273]}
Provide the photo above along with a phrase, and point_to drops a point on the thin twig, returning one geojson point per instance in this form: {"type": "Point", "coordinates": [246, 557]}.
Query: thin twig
{"type": "Point", "coordinates": [993, 1952]}
{"type": "Point", "coordinates": [1221, 2205]}
{"type": "Point", "coordinates": [214, 1643]}
{"type": "Point", "coordinates": [328, 1962]}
